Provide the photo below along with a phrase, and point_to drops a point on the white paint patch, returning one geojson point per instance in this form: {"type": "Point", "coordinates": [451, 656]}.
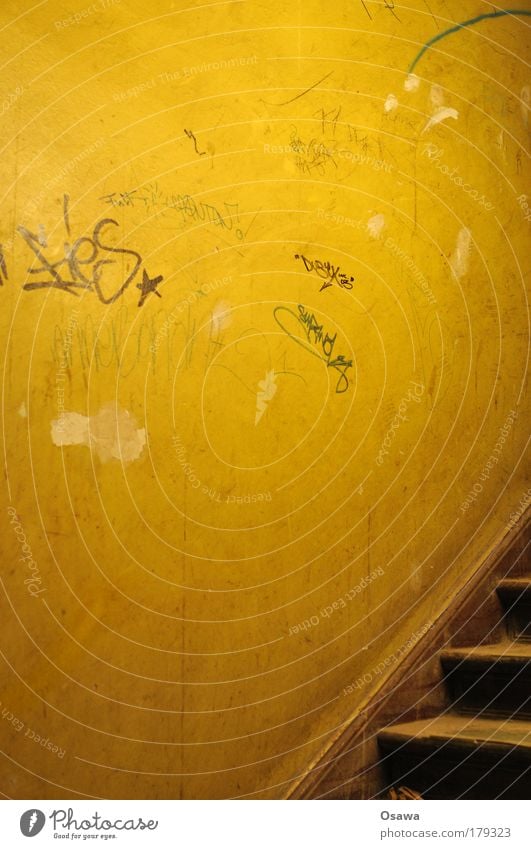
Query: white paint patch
{"type": "Point", "coordinates": [437, 95]}
{"type": "Point", "coordinates": [391, 103]}
{"type": "Point", "coordinates": [500, 142]}
{"type": "Point", "coordinates": [441, 114]}
{"type": "Point", "coordinates": [525, 100]}
{"type": "Point", "coordinates": [221, 317]}
{"type": "Point", "coordinates": [22, 411]}
{"type": "Point", "coordinates": [111, 434]}
{"type": "Point", "coordinates": [375, 225]}
{"type": "Point", "coordinates": [459, 258]}
{"type": "Point", "coordinates": [411, 83]}
{"type": "Point", "coordinates": [266, 391]}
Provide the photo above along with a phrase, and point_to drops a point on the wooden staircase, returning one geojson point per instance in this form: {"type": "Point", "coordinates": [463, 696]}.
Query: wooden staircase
{"type": "Point", "coordinates": [480, 747]}
{"type": "Point", "coordinates": [453, 718]}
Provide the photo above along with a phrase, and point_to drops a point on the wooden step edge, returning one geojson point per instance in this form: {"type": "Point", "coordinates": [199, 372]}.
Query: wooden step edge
{"type": "Point", "coordinates": [483, 732]}
{"type": "Point", "coordinates": [517, 654]}
{"type": "Point", "coordinates": [514, 585]}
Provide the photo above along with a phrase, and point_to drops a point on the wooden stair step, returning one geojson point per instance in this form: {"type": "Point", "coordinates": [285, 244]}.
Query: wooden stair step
{"type": "Point", "coordinates": [454, 756]}
{"type": "Point", "coordinates": [490, 679]}
{"type": "Point", "coordinates": [515, 586]}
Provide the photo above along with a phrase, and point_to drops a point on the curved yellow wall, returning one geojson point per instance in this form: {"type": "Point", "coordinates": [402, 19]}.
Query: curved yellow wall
{"type": "Point", "coordinates": [266, 407]}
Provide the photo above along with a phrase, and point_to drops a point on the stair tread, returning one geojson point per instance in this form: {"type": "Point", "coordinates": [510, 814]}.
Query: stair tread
{"type": "Point", "coordinates": [508, 651]}
{"type": "Point", "coordinates": [515, 584]}
{"type": "Point", "coordinates": [464, 730]}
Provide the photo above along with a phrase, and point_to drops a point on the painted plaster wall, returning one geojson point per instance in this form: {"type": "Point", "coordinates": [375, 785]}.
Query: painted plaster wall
{"type": "Point", "coordinates": [264, 336]}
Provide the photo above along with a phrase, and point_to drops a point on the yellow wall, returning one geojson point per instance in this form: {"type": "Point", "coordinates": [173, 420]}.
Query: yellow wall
{"type": "Point", "coordinates": [231, 471]}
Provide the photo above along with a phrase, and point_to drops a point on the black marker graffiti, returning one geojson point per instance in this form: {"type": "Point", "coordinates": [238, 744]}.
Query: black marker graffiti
{"type": "Point", "coordinates": [147, 286]}
{"type": "Point", "coordinates": [315, 154]}
{"type": "Point", "coordinates": [81, 266]}
{"type": "Point", "coordinates": [301, 94]}
{"type": "Point", "coordinates": [314, 340]}
{"type": "Point", "coordinates": [389, 4]}
{"type": "Point", "coordinates": [326, 119]}
{"type": "Point", "coordinates": [156, 198]}
{"type": "Point", "coordinates": [190, 135]}
{"type": "Point", "coordinates": [365, 7]}
{"type": "Point", "coordinates": [3, 266]}
{"type": "Point", "coordinates": [327, 271]}
{"type": "Point", "coordinates": [120, 198]}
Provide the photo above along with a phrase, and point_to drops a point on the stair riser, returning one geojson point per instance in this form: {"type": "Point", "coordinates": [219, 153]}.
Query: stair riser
{"type": "Point", "coordinates": [517, 613]}
{"type": "Point", "coordinates": [490, 690]}
{"type": "Point", "coordinates": [447, 775]}
{"type": "Point", "coordinates": [519, 625]}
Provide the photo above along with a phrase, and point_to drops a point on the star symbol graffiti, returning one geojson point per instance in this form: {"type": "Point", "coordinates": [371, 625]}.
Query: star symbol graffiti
{"type": "Point", "coordinates": [148, 285]}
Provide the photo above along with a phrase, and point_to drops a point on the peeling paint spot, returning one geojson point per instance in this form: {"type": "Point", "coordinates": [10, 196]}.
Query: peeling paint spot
{"type": "Point", "coordinates": [500, 143]}
{"type": "Point", "coordinates": [441, 114]}
{"type": "Point", "coordinates": [411, 83]}
{"type": "Point", "coordinates": [221, 317]}
{"type": "Point", "coordinates": [437, 95]}
{"type": "Point", "coordinates": [22, 411]}
{"type": "Point", "coordinates": [391, 103]}
{"type": "Point", "coordinates": [375, 226]}
{"type": "Point", "coordinates": [111, 434]}
{"type": "Point", "coordinates": [266, 391]}
{"type": "Point", "coordinates": [459, 258]}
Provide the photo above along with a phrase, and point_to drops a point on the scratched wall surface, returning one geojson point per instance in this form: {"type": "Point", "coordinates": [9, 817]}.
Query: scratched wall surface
{"type": "Point", "coordinates": [264, 338]}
